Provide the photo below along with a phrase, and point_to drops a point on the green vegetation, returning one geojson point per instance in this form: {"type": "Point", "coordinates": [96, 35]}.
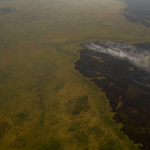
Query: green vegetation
{"type": "Point", "coordinates": [19, 118]}
{"type": "Point", "coordinates": [80, 104]}
{"type": "Point", "coordinates": [4, 127]}
{"type": "Point", "coordinates": [19, 142]}
{"type": "Point", "coordinates": [6, 9]}
{"type": "Point", "coordinates": [45, 103]}
{"type": "Point", "coordinates": [81, 137]}
{"type": "Point", "coordinates": [75, 127]}
{"type": "Point", "coordinates": [99, 133]}
{"type": "Point", "coordinates": [111, 145]}
{"type": "Point", "coordinates": [52, 145]}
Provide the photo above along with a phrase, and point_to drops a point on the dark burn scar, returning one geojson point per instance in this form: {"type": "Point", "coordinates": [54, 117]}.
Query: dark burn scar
{"type": "Point", "coordinates": [126, 86]}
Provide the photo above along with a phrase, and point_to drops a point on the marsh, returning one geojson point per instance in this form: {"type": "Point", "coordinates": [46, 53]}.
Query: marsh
{"type": "Point", "coordinates": [45, 102]}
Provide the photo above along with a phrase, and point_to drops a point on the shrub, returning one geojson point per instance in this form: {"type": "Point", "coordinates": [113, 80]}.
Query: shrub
{"type": "Point", "coordinates": [6, 9]}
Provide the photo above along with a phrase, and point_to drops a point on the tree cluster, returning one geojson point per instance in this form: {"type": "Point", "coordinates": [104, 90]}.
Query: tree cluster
{"type": "Point", "coordinates": [6, 9]}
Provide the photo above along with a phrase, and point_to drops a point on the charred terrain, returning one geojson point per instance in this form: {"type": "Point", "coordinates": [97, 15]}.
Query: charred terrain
{"type": "Point", "coordinates": [125, 78]}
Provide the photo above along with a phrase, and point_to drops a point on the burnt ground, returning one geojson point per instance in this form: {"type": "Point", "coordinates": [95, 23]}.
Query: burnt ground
{"type": "Point", "coordinates": [129, 98]}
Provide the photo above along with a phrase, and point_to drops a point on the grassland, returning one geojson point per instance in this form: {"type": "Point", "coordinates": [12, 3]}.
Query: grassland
{"type": "Point", "coordinates": [45, 103]}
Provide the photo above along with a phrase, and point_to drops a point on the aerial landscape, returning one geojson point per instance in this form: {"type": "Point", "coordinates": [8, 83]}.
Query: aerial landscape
{"type": "Point", "coordinates": [74, 75]}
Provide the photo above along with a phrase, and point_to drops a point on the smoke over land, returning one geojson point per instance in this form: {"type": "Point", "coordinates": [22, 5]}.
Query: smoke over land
{"type": "Point", "coordinates": [122, 56]}
{"type": "Point", "coordinates": [122, 71]}
{"type": "Point", "coordinates": [137, 56]}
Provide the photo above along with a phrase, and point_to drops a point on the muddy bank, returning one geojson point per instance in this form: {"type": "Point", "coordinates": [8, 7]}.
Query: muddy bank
{"type": "Point", "coordinates": [138, 11]}
{"type": "Point", "coordinates": [112, 67]}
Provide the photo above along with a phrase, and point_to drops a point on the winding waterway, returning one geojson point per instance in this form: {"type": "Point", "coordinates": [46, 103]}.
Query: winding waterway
{"type": "Point", "coordinates": [138, 11]}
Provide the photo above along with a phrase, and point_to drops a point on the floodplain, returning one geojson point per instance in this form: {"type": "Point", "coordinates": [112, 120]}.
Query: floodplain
{"type": "Point", "coordinates": [45, 103]}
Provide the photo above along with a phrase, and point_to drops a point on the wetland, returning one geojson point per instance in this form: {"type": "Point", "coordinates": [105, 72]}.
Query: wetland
{"type": "Point", "coordinates": [138, 12]}
{"type": "Point", "coordinates": [46, 104]}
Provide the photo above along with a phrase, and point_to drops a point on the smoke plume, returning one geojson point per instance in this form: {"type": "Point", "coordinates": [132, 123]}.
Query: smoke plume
{"type": "Point", "coordinates": [137, 56]}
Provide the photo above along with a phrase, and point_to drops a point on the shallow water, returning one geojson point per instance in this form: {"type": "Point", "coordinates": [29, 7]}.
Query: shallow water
{"type": "Point", "coordinates": [138, 11]}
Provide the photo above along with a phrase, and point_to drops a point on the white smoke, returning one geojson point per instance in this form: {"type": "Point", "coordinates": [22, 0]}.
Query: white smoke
{"type": "Point", "coordinates": [138, 57]}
